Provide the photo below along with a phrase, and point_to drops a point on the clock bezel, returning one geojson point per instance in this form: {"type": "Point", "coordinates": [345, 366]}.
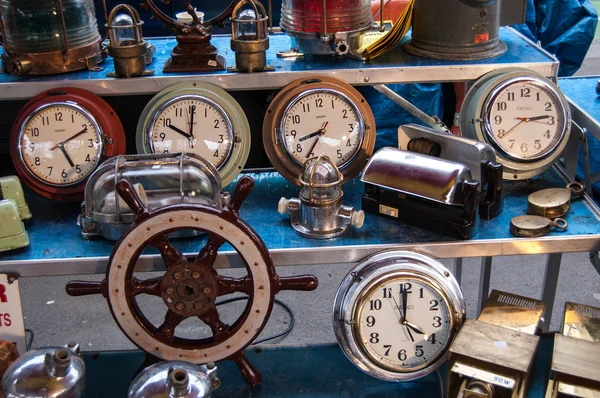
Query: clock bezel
{"type": "Point", "coordinates": [276, 151]}
{"type": "Point", "coordinates": [374, 268]}
{"type": "Point", "coordinates": [489, 103]}
{"type": "Point", "coordinates": [293, 102]}
{"type": "Point", "coordinates": [377, 283]}
{"type": "Point", "coordinates": [240, 128]}
{"type": "Point", "coordinates": [113, 138]}
{"type": "Point", "coordinates": [66, 104]}
{"type": "Point", "coordinates": [473, 119]}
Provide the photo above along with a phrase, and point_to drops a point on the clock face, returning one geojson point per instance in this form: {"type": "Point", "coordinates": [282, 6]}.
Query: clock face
{"type": "Point", "coordinates": [403, 324]}
{"type": "Point", "coordinates": [525, 120]}
{"type": "Point", "coordinates": [192, 124]}
{"type": "Point", "coordinates": [60, 144]}
{"type": "Point", "coordinates": [322, 122]}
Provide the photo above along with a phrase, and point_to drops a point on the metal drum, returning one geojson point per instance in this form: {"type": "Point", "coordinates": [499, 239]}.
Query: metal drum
{"type": "Point", "coordinates": [461, 29]}
{"type": "Point", "coordinates": [49, 36]}
{"type": "Point", "coordinates": [326, 27]}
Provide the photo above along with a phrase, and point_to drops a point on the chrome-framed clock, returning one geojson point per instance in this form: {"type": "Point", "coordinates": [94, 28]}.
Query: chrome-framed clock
{"type": "Point", "coordinates": [396, 314]}
{"type": "Point", "coordinates": [199, 118]}
{"type": "Point", "coordinates": [522, 115]}
{"type": "Point", "coordinates": [318, 116]}
{"type": "Point", "coordinates": [60, 137]}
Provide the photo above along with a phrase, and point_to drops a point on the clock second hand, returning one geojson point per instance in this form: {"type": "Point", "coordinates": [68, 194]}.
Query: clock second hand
{"type": "Point", "coordinates": [512, 129]}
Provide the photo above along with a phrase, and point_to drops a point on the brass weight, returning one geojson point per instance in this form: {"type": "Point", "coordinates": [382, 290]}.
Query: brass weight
{"type": "Point", "coordinates": [534, 226]}
{"type": "Point", "coordinates": [553, 202]}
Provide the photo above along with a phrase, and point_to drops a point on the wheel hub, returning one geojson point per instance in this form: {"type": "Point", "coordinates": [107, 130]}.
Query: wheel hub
{"type": "Point", "coordinates": [188, 289]}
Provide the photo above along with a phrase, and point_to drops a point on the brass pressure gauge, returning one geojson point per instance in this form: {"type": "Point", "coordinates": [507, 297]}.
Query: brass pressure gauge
{"type": "Point", "coordinates": [396, 314]}
{"type": "Point", "coordinates": [314, 117]}
{"type": "Point", "coordinates": [523, 115]}
{"type": "Point", "coordinates": [197, 118]}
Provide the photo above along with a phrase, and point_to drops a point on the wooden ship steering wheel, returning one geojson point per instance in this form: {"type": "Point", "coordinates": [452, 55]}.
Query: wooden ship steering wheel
{"type": "Point", "coordinates": [189, 288]}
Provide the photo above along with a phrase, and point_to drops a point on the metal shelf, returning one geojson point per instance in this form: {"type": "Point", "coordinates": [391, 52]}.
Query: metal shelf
{"type": "Point", "coordinates": [58, 249]}
{"type": "Point", "coordinates": [394, 67]}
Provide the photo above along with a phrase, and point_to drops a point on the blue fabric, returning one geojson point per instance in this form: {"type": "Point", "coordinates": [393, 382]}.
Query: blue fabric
{"type": "Point", "coordinates": [388, 115]}
{"type": "Point", "coordinates": [565, 28]}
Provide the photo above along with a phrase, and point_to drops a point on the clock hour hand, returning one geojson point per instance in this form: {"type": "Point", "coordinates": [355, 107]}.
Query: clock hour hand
{"type": "Point", "coordinates": [183, 133]}
{"type": "Point", "coordinates": [68, 139]}
{"type": "Point", "coordinates": [309, 136]}
{"type": "Point", "coordinates": [414, 327]}
{"type": "Point", "coordinates": [64, 151]}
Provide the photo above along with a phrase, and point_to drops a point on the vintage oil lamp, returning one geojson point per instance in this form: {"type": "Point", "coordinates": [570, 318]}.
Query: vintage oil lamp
{"type": "Point", "coordinates": [249, 38]}
{"type": "Point", "coordinates": [42, 37]}
{"type": "Point", "coordinates": [193, 52]}
{"type": "Point", "coordinates": [325, 27]}
{"type": "Point", "coordinates": [127, 45]}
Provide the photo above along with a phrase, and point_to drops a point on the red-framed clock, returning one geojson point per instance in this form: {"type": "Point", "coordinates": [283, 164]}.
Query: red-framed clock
{"type": "Point", "coordinates": [60, 137]}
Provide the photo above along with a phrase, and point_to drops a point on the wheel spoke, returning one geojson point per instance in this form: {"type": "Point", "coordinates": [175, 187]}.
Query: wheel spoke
{"type": "Point", "coordinates": [147, 286]}
{"type": "Point", "coordinates": [226, 285]}
{"type": "Point", "coordinates": [169, 253]}
{"type": "Point", "coordinates": [208, 254]}
{"type": "Point", "coordinates": [166, 331]}
{"type": "Point", "coordinates": [250, 373]}
{"type": "Point", "coordinates": [219, 329]}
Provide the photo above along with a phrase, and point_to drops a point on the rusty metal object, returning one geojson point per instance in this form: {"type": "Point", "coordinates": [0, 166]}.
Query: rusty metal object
{"type": "Point", "coordinates": [193, 52]}
{"type": "Point", "coordinates": [8, 354]}
{"type": "Point", "coordinates": [189, 288]}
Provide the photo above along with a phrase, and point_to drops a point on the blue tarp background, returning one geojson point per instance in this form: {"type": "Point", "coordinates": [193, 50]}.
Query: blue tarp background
{"type": "Point", "coordinates": [565, 28]}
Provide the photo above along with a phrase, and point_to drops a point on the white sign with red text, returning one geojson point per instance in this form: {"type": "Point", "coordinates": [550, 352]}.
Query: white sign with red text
{"type": "Point", "coordinates": [12, 327]}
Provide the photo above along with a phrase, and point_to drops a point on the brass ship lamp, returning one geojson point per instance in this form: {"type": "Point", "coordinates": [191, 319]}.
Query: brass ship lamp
{"type": "Point", "coordinates": [127, 45]}
{"type": "Point", "coordinates": [249, 37]}
{"type": "Point", "coordinates": [193, 52]}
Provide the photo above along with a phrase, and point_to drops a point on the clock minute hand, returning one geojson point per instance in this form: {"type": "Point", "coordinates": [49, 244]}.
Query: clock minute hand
{"type": "Point", "coordinates": [183, 133]}
{"type": "Point", "coordinates": [68, 139]}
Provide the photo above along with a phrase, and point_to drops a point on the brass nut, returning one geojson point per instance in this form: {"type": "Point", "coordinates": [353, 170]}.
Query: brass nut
{"type": "Point", "coordinates": [170, 290]}
{"type": "Point", "coordinates": [177, 275]}
{"type": "Point", "coordinates": [180, 306]}
{"type": "Point", "coordinates": [206, 290]}
{"type": "Point", "coordinates": [195, 274]}
{"type": "Point", "coordinates": [198, 305]}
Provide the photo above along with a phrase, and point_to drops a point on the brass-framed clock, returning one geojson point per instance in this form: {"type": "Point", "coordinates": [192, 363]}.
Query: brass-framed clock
{"type": "Point", "coordinates": [319, 116]}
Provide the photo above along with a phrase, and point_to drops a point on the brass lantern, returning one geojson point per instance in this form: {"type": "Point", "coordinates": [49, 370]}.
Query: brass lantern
{"type": "Point", "coordinates": [127, 45]}
{"type": "Point", "coordinates": [249, 38]}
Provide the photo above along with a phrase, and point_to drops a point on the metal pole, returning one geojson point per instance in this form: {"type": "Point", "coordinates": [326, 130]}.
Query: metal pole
{"type": "Point", "coordinates": [433, 122]}
{"type": "Point", "coordinates": [484, 282]}
{"type": "Point", "coordinates": [458, 263]}
{"type": "Point", "coordinates": [550, 284]}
